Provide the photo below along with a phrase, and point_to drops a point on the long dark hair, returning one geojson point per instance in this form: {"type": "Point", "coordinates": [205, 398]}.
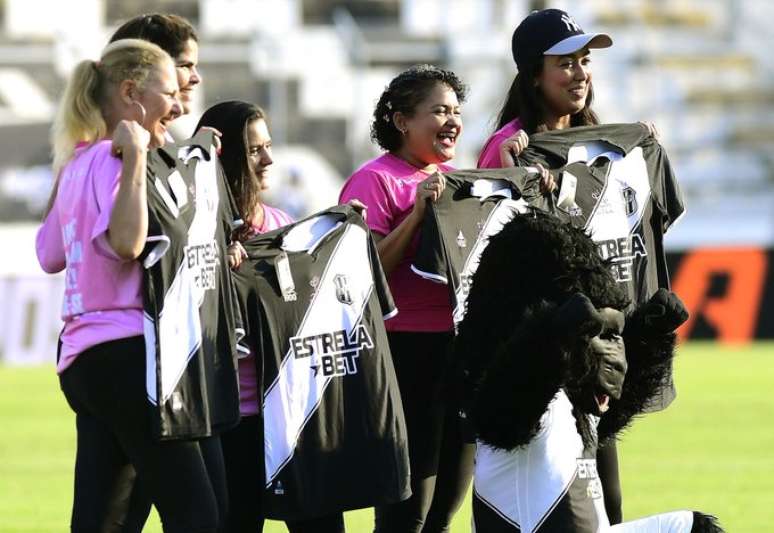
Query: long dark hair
{"type": "Point", "coordinates": [525, 102]}
{"type": "Point", "coordinates": [231, 118]}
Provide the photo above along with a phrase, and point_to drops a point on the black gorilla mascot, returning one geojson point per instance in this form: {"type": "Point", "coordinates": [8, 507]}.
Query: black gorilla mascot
{"type": "Point", "coordinates": [551, 366]}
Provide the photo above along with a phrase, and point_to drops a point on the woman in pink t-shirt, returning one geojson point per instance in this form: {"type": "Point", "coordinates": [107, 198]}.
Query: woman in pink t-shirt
{"type": "Point", "coordinates": [113, 111]}
{"type": "Point", "coordinates": [417, 122]}
{"type": "Point", "coordinates": [552, 89]}
{"type": "Point", "coordinates": [246, 157]}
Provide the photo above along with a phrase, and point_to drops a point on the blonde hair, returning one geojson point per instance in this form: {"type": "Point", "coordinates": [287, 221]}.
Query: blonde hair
{"type": "Point", "coordinates": [80, 117]}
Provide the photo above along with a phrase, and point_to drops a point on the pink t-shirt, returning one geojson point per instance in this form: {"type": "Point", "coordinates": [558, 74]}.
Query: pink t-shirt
{"type": "Point", "coordinates": [103, 294]}
{"type": "Point", "coordinates": [387, 186]}
{"type": "Point", "coordinates": [490, 154]}
{"type": "Point", "coordinates": [249, 402]}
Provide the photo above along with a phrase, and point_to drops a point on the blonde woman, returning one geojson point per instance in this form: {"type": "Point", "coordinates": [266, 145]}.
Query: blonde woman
{"type": "Point", "coordinates": [113, 111]}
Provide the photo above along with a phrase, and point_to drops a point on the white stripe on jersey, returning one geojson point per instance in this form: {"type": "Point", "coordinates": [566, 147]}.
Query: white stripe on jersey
{"type": "Point", "coordinates": [298, 389]}
{"type": "Point", "coordinates": [610, 220]}
{"type": "Point", "coordinates": [179, 323]}
{"type": "Point", "coordinates": [525, 484]}
{"type": "Point", "coordinates": [499, 217]}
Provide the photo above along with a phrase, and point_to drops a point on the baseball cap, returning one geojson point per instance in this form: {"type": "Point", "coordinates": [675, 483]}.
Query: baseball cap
{"type": "Point", "coordinates": [551, 32]}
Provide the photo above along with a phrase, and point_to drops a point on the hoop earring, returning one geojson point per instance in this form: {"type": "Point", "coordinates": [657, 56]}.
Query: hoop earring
{"type": "Point", "coordinates": [142, 111]}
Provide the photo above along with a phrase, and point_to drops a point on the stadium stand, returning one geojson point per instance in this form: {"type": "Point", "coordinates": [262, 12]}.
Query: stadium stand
{"type": "Point", "coordinates": [699, 69]}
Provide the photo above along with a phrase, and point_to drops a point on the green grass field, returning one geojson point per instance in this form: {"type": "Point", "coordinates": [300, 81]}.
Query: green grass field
{"type": "Point", "coordinates": [712, 450]}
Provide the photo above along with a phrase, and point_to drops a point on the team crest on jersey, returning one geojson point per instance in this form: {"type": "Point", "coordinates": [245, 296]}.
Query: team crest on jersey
{"type": "Point", "coordinates": [461, 242]}
{"type": "Point", "coordinates": [630, 200]}
{"type": "Point", "coordinates": [574, 210]}
{"type": "Point", "coordinates": [343, 294]}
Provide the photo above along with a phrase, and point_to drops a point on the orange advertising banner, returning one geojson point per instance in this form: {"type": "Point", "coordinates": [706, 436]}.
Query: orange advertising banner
{"type": "Point", "coordinates": [728, 291]}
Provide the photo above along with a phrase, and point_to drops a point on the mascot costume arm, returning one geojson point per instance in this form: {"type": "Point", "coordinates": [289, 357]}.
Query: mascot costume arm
{"type": "Point", "coordinates": [650, 342]}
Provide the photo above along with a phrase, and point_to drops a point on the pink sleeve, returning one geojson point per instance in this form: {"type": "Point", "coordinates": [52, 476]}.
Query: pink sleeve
{"type": "Point", "coordinates": [490, 155]}
{"type": "Point", "coordinates": [106, 180]}
{"type": "Point", "coordinates": [285, 219]}
{"type": "Point", "coordinates": [368, 187]}
{"type": "Point", "coordinates": [49, 245]}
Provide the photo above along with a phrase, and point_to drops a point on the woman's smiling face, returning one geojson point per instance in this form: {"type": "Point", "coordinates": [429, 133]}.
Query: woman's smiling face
{"type": "Point", "coordinates": [564, 82]}
{"type": "Point", "coordinates": [431, 132]}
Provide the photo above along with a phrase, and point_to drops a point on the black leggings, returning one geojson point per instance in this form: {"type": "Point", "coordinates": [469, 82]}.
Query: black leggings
{"type": "Point", "coordinates": [607, 465]}
{"type": "Point", "coordinates": [105, 387]}
{"type": "Point", "coordinates": [243, 453]}
{"type": "Point", "coordinates": [441, 463]}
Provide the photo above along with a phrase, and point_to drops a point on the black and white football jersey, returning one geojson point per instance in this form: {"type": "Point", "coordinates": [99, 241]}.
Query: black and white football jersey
{"type": "Point", "coordinates": [188, 294]}
{"type": "Point", "coordinates": [475, 205]}
{"type": "Point", "coordinates": [617, 184]}
{"type": "Point", "coordinates": [626, 196]}
{"type": "Point", "coordinates": [315, 299]}
{"type": "Point", "coordinates": [551, 485]}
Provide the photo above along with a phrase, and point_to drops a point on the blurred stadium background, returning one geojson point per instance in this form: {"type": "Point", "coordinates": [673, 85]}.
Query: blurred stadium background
{"type": "Point", "coordinates": [701, 70]}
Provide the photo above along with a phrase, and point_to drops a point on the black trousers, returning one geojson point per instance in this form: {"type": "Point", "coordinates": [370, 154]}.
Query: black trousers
{"type": "Point", "coordinates": [243, 456]}
{"type": "Point", "coordinates": [441, 462]}
{"type": "Point", "coordinates": [607, 464]}
{"type": "Point", "coordinates": [105, 387]}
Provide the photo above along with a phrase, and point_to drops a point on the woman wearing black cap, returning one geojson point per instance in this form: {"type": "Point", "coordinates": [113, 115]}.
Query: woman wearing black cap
{"type": "Point", "coordinates": [552, 90]}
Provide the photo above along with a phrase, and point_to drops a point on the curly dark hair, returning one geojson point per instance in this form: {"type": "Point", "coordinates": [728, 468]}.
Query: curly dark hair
{"type": "Point", "coordinates": [167, 31]}
{"type": "Point", "coordinates": [404, 93]}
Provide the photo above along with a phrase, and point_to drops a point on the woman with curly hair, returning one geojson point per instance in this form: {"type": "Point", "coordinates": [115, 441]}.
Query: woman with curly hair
{"type": "Point", "coordinates": [417, 122]}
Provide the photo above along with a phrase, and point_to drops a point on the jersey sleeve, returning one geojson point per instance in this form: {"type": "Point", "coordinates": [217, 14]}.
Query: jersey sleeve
{"type": "Point", "coordinates": [368, 187]}
{"type": "Point", "coordinates": [230, 216]}
{"type": "Point", "coordinates": [49, 246]}
{"type": "Point", "coordinates": [381, 288]}
{"type": "Point", "coordinates": [671, 197]}
{"type": "Point", "coordinates": [247, 323]}
{"type": "Point", "coordinates": [430, 261]}
{"type": "Point", "coordinates": [157, 242]}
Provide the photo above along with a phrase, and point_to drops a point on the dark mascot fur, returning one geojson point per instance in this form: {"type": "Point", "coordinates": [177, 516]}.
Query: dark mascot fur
{"type": "Point", "coordinates": [531, 327]}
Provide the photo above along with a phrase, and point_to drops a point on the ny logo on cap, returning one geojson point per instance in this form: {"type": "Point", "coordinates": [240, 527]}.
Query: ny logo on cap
{"type": "Point", "coordinates": [570, 23]}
